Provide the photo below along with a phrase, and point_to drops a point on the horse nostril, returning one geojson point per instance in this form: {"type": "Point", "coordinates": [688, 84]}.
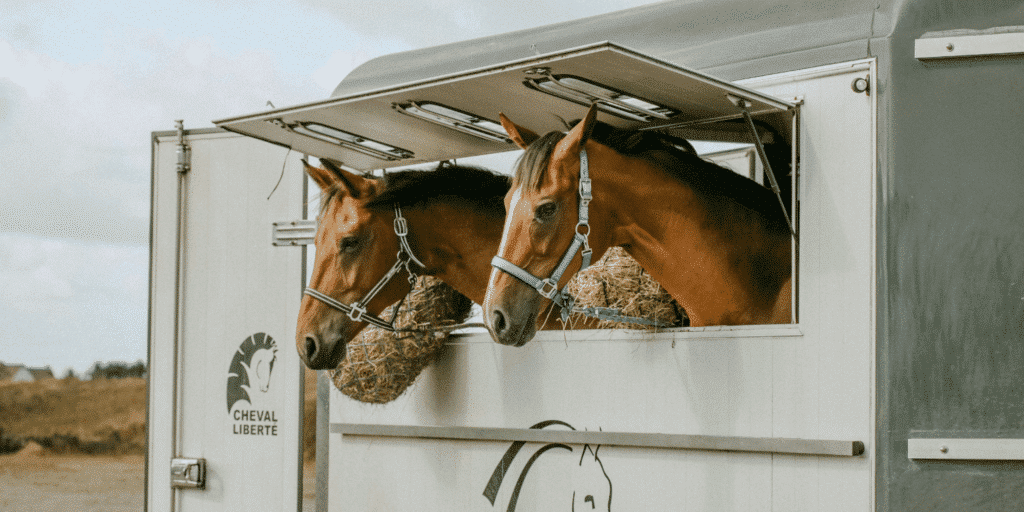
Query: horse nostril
{"type": "Point", "coordinates": [498, 321]}
{"type": "Point", "coordinates": [310, 347]}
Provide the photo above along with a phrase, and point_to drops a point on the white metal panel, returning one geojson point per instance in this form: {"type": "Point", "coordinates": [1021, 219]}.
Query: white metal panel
{"type": "Point", "coordinates": [238, 292]}
{"type": "Point", "coordinates": [970, 43]}
{"type": "Point", "coordinates": [965, 449]}
{"type": "Point", "coordinates": [823, 382]}
{"type": "Point", "coordinates": [612, 385]}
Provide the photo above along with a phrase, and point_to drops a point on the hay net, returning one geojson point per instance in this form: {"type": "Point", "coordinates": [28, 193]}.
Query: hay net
{"type": "Point", "coordinates": [380, 365]}
{"type": "Point", "coordinates": [618, 282]}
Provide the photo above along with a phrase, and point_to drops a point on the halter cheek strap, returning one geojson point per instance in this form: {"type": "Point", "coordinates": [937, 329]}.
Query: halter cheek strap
{"type": "Point", "coordinates": [548, 288]}
{"type": "Point", "coordinates": [357, 310]}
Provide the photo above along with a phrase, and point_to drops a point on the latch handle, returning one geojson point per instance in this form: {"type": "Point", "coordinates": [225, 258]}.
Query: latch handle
{"type": "Point", "coordinates": [188, 473]}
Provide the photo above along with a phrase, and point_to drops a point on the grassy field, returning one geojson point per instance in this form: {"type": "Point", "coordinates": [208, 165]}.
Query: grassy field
{"type": "Point", "coordinates": [102, 416]}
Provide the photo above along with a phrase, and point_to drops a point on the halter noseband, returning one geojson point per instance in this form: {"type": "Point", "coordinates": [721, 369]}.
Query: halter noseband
{"type": "Point", "coordinates": [357, 310]}
{"type": "Point", "coordinates": [548, 288]}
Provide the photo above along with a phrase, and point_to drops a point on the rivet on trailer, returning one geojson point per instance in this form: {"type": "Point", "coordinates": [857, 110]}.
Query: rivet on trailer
{"type": "Point", "coordinates": [892, 131]}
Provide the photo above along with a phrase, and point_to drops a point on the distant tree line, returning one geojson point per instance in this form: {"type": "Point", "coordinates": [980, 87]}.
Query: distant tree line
{"type": "Point", "coordinates": [117, 370]}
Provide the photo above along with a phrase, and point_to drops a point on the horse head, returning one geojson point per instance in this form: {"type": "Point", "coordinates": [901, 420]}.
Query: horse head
{"type": "Point", "coordinates": [355, 246]}
{"type": "Point", "coordinates": [542, 218]}
{"type": "Point", "coordinates": [260, 366]}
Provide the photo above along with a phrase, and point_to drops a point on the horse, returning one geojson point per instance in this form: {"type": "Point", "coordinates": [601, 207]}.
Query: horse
{"type": "Point", "coordinates": [452, 218]}
{"type": "Point", "coordinates": [716, 241]}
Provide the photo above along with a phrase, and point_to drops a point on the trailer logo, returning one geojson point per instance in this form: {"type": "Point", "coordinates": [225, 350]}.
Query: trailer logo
{"type": "Point", "coordinates": [591, 486]}
{"type": "Point", "coordinates": [248, 382]}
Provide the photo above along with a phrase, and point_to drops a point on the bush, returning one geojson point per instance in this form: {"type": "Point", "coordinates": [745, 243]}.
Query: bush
{"type": "Point", "coordinates": [8, 444]}
{"type": "Point", "coordinates": [117, 370]}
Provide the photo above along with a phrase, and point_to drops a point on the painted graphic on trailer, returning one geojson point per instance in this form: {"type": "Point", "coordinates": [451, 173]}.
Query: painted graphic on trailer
{"type": "Point", "coordinates": [591, 487]}
{"type": "Point", "coordinates": [249, 380]}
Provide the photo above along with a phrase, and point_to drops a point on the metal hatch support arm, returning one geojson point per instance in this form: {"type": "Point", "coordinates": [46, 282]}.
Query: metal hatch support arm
{"type": "Point", "coordinates": [744, 107]}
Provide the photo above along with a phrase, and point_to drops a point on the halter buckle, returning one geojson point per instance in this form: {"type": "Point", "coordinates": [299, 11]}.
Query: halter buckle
{"type": "Point", "coordinates": [547, 288]}
{"type": "Point", "coordinates": [586, 189]}
{"type": "Point", "coordinates": [356, 312]}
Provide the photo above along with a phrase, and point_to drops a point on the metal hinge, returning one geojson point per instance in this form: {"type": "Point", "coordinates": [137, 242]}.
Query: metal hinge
{"type": "Point", "coordinates": [295, 232]}
{"type": "Point", "coordinates": [184, 152]}
{"type": "Point", "coordinates": [188, 473]}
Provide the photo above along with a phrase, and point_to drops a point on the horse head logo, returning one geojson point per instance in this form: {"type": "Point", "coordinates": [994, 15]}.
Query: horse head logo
{"type": "Point", "coordinates": [251, 368]}
{"type": "Point", "coordinates": [591, 486]}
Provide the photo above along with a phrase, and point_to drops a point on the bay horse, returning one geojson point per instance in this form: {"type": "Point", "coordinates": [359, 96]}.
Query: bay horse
{"type": "Point", "coordinates": [453, 218]}
{"type": "Point", "coordinates": [716, 241]}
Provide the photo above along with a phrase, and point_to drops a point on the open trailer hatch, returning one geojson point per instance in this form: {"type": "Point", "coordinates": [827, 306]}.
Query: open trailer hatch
{"type": "Point", "coordinates": [455, 116]}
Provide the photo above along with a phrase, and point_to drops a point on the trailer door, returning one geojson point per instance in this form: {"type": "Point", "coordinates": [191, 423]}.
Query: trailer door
{"type": "Point", "coordinates": [225, 383]}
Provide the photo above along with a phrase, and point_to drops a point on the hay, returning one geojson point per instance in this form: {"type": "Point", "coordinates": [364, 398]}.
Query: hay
{"type": "Point", "coordinates": [617, 281]}
{"type": "Point", "coordinates": [380, 365]}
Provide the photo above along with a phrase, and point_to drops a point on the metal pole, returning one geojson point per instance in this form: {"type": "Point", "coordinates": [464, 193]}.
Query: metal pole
{"type": "Point", "coordinates": [744, 105]}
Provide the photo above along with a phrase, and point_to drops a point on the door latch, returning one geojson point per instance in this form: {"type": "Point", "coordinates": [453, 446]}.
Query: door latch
{"type": "Point", "coordinates": [188, 473]}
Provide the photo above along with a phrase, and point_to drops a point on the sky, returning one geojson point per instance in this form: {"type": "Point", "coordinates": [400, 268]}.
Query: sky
{"type": "Point", "coordinates": [83, 84]}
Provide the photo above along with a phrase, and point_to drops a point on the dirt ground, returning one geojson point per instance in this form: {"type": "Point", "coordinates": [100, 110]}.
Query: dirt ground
{"type": "Point", "coordinates": [79, 445]}
{"type": "Point", "coordinates": [71, 482]}
{"type": "Point", "coordinates": [40, 482]}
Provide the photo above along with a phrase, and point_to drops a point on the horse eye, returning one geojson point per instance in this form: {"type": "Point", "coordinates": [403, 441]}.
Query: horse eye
{"type": "Point", "coordinates": [545, 211]}
{"type": "Point", "coordinates": [349, 244]}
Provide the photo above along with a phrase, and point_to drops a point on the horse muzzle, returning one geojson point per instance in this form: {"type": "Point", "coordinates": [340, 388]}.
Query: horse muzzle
{"type": "Point", "coordinates": [323, 350]}
{"type": "Point", "coordinates": [513, 322]}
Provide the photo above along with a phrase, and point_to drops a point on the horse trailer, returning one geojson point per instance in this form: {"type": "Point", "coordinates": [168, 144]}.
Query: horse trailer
{"type": "Point", "coordinates": [896, 127]}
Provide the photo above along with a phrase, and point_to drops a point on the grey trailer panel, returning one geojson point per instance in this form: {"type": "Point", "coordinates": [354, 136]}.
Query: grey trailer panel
{"type": "Point", "coordinates": [951, 260]}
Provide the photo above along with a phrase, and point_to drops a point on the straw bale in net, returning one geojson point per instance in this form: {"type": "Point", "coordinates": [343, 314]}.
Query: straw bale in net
{"type": "Point", "coordinates": [380, 365]}
{"type": "Point", "coordinates": [617, 281]}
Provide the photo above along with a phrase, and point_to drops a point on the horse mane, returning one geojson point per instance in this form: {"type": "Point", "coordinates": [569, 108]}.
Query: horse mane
{"type": "Point", "coordinates": [718, 186]}
{"type": "Point", "coordinates": [482, 189]}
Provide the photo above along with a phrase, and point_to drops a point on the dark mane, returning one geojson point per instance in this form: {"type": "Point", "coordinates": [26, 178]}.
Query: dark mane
{"type": "Point", "coordinates": [480, 188]}
{"type": "Point", "coordinates": [717, 185]}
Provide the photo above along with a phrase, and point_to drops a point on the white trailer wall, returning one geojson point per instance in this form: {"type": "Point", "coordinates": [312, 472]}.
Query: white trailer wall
{"type": "Point", "coordinates": [812, 380]}
{"type": "Point", "coordinates": [220, 292]}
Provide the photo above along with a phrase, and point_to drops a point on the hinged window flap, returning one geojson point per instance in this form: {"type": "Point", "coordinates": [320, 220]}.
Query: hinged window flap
{"type": "Point", "coordinates": [631, 89]}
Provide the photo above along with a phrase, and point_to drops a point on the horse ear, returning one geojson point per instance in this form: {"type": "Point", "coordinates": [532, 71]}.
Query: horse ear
{"type": "Point", "coordinates": [355, 185]}
{"type": "Point", "coordinates": [521, 136]}
{"type": "Point", "coordinates": [580, 134]}
{"type": "Point", "coordinates": [321, 176]}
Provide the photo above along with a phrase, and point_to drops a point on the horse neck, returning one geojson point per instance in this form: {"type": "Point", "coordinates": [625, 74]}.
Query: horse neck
{"type": "Point", "coordinates": [456, 249]}
{"type": "Point", "coordinates": [662, 224]}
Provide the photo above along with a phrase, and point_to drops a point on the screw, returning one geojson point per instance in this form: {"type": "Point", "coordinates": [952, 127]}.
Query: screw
{"type": "Point", "coordinates": [949, 47]}
{"type": "Point", "coordinates": [944, 449]}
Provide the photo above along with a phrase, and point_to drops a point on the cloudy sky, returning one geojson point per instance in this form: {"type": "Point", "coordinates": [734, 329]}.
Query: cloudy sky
{"type": "Point", "coordinates": [83, 83]}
